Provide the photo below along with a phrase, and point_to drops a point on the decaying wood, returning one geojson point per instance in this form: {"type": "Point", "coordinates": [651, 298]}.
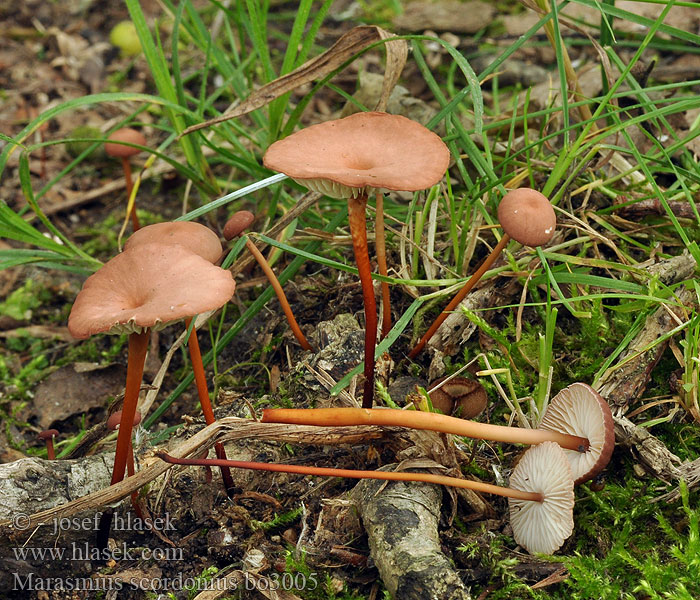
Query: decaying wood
{"type": "Point", "coordinates": [401, 520]}
{"type": "Point", "coordinates": [457, 328]}
{"type": "Point", "coordinates": [228, 429]}
{"type": "Point", "coordinates": [621, 386]}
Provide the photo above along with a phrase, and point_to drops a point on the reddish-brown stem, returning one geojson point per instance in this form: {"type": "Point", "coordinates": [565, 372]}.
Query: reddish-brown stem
{"type": "Point", "coordinates": [203, 393]}
{"type": "Point", "coordinates": [274, 282]}
{"type": "Point", "coordinates": [473, 280]}
{"type": "Point", "coordinates": [138, 345]}
{"type": "Point", "coordinates": [478, 486]}
{"type": "Point", "coordinates": [380, 246]}
{"type": "Point", "coordinates": [50, 452]}
{"type": "Point", "coordinates": [358, 231]}
{"type": "Point", "coordinates": [126, 165]}
{"type": "Point", "coordinates": [335, 417]}
{"type": "Point", "coordinates": [130, 472]}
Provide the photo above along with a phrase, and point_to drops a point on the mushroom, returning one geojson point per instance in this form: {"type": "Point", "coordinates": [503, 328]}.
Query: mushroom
{"type": "Point", "coordinates": [543, 526]}
{"type": "Point", "coordinates": [47, 436]}
{"type": "Point", "coordinates": [143, 288]}
{"type": "Point", "coordinates": [525, 216]}
{"type": "Point", "coordinates": [202, 241]}
{"type": "Point", "coordinates": [335, 417]}
{"type": "Point", "coordinates": [579, 410]}
{"type": "Point", "coordinates": [541, 492]}
{"type": "Point", "coordinates": [116, 146]}
{"type": "Point", "coordinates": [195, 237]}
{"type": "Point", "coordinates": [235, 226]}
{"type": "Point", "coordinates": [348, 158]}
{"type": "Point", "coordinates": [479, 486]}
{"type": "Point", "coordinates": [459, 396]}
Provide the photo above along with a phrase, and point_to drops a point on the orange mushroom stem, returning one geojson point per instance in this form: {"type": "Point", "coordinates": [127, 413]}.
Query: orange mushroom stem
{"type": "Point", "coordinates": [525, 216]}
{"type": "Point", "coordinates": [358, 230]}
{"type": "Point", "coordinates": [234, 227]}
{"type": "Point", "coordinates": [204, 400]}
{"type": "Point", "coordinates": [335, 417]}
{"type": "Point", "coordinates": [478, 486]}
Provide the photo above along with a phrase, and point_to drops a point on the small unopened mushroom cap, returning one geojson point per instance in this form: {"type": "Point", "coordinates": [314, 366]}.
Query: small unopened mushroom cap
{"type": "Point", "coordinates": [237, 224]}
{"type": "Point", "coordinates": [47, 434]}
{"type": "Point", "coordinates": [543, 526]}
{"type": "Point", "coordinates": [527, 216]}
{"type": "Point", "coordinates": [113, 147]}
{"type": "Point", "coordinates": [149, 285]}
{"type": "Point", "coordinates": [579, 410]}
{"type": "Point", "coordinates": [195, 237]}
{"type": "Point", "coordinates": [461, 396]}
{"type": "Point", "coordinates": [345, 157]}
{"type": "Point", "coordinates": [115, 420]}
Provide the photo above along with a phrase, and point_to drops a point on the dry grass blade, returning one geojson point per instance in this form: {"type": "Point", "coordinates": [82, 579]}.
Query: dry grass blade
{"type": "Point", "coordinates": [351, 43]}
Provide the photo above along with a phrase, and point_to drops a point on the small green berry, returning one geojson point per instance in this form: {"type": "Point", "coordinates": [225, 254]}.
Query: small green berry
{"type": "Point", "coordinates": [124, 36]}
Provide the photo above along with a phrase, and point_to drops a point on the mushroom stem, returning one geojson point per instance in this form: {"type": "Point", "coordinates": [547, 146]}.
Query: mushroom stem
{"type": "Point", "coordinates": [274, 282]}
{"type": "Point", "coordinates": [126, 165]}
{"type": "Point", "coordinates": [473, 280]}
{"type": "Point", "coordinates": [358, 231]}
{"type": "Point", "coordinates": [138, 345]}
{"type": "Point", "coordinates": [203, 392]}
{"type": "Point", "coordinates": [478, 486]}
{"type": "Point", "coordinates": [47, 437]}
{"type": "Point", "coordinates": [335, 417]}
{"type": "Point", "coordinates": [380, 246]}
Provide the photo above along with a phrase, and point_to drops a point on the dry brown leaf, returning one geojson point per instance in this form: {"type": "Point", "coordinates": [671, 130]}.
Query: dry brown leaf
{"type": "Point", "coordinates": [350, 44]}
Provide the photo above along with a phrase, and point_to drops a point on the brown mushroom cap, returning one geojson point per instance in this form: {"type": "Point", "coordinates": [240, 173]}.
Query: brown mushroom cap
{"type": "Point", "coordinates": [115, 420]}
{"type": "Point", "coordinates": [579, 410]}
{"type": "Point", "coordinates": [345, 157]}
{"type": "Point", "coordinates": [113, 147]}
{"type": "Point", "coordinates": [527, 216]}
{"type": "Point", "coordinates": [237, 224]}
{"type": "Point", "coordinates": [461, 396]}
{"type": "Point", "coordinates": [195, 237]}
{"type": "Point", "coordinates": [543, 526]}
{"type": "Point", "coordinates": [48, 434]}
{"type": "Point", "coordinates": [149, 285]}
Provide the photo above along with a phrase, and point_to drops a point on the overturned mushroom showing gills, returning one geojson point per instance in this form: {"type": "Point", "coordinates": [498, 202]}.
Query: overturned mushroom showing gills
{"type": "Point", "coordinates": [350, 157]}
{"type": "Point", "coordinates": [478, 486]}
{"type": "Point", "coordinates": [235, 226]}
{"type": "Point", "coordinates": [543, 526]}
{"type": "Point", "coordinates": [579, 410]}
{"type": "Point", "coordinates": [525, 216]}
{"type": "Point", "coordinates": [390, 417]}
{"type": "Point", "coordinates": [116, 146]}
{"type": "Point", "coordinates": [145, 288]}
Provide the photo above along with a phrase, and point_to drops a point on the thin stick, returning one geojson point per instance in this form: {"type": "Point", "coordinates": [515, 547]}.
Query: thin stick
{"type": "Point", "coordinates": [478, 486]}
{"type": "Point", "coordinates": [326, 417]}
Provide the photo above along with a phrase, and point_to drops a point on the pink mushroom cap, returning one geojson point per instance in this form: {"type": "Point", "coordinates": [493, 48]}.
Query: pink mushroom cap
{"type": "Point", "coordinates": [114, 147]}
{"type": "Point", "coordinates": [148, 286]}
{"type": "Point", "coordinates": [195, 237]}
{"type": "Point", "coordinates": [368, 150]}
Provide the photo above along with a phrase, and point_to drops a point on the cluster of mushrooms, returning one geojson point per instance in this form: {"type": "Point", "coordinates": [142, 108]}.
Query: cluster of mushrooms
{"type": "Point", "coordinates": [170, 271]}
